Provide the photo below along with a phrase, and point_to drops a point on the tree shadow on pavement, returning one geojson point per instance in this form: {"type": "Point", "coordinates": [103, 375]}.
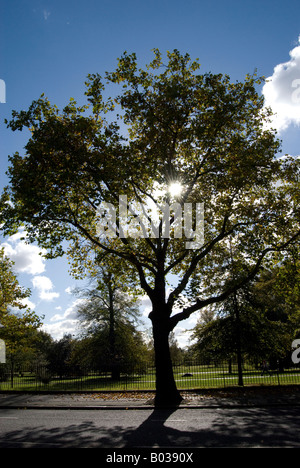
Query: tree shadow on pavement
{"type": "Point", "coordinates": [166, 428]}
{"type": "Point", "coordinates": [256, 427]}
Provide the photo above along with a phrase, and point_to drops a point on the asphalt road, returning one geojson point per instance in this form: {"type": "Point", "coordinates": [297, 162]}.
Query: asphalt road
{"type": "Point", "coordinates": [181, 429]}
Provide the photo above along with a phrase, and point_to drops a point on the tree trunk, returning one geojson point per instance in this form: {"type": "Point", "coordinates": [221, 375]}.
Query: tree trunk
{"type": "Point", "coordinates": [115, 367]}
{"type": "Point", "coordinates": [166, 390]}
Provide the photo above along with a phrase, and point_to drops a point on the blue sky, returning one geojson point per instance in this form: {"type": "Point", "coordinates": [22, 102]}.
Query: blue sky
{"type": "Point", "coordinates": [50, 47]}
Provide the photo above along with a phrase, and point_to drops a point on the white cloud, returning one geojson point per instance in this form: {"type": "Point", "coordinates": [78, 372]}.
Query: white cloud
{"type": "Point", "coordinates": [44, 286]}
{"type": "Point", "coordinates": [145, 305]}
{"type": "Point", "coordinates": [59, 329]}
{"type": "Point", "coordinates": [65, 323]}
{"type": "Point", "coordinates": [70, 313]}
{"type": "Point", "coordinates": [282, 91]}
{"type": "Point", "coordinates": [26, 257]}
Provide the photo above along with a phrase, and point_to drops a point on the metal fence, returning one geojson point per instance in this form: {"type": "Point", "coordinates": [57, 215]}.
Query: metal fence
{"type": "Point", "coordinates": [188, 375]}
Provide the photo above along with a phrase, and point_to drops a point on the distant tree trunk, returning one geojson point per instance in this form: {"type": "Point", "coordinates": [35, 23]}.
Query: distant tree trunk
{"type": "Point", "coordinates": [12, 370]}
{"type": "Point", "coordinates": [238, 341]}
{"type": "Point", "coordinates": [115, 366]}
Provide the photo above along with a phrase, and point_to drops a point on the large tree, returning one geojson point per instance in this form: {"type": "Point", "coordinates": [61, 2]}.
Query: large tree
{"type": "Point", "coordinates": [170, 124]}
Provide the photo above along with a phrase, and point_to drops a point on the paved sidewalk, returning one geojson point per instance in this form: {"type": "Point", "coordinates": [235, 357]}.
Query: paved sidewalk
{"type": "Point", "coordinates": [280, 396]}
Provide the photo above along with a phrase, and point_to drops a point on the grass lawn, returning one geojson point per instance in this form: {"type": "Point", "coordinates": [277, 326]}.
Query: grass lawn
{"type": "Point", "coordinates": [187, 377]}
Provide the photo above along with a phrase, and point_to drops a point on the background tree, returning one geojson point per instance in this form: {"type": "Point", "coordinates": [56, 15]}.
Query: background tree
{"type": "Point", "coordinates": [200, 130]}
{"type": "Point", "coordinates": [59, 356]}
{"type": "Point", "coordinates": [110, 316]}
{"type": "Point", "coordinates": [43, 347]}
{"type": "Point", "coordinates": [18, 326]}
{"type": "Point", "coordinates": [92, 351]}
{"type": "Point", "coordinates": [278, 293]}
{"type": "Point", "coordinates": [285, 282]}
{"type": "Point", "coordinates": [11, 293]}
{"type": "Point", "coordinates": [266, 326]}
{"type": "Point", "coordinates": [20, 335]}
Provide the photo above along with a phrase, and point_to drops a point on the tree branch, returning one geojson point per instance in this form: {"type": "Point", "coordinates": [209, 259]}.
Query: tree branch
{"type": "Point", "coordinates": [200, 304]}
